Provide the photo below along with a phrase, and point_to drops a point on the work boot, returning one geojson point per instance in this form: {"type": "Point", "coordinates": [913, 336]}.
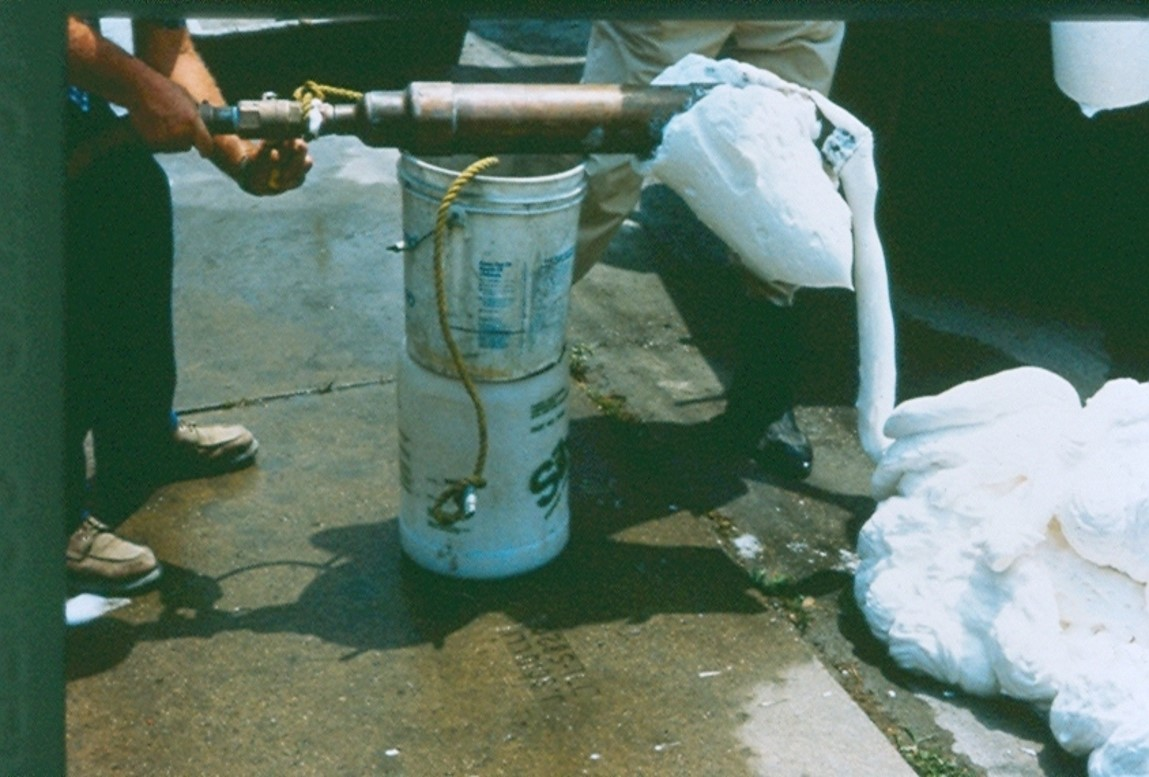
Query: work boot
{"type": "Point", "coordinates": [204, 451]}
{"type": "Point", "coordinates": [100, 562]}
{"type": "Point", "coordinates": [759, 418]}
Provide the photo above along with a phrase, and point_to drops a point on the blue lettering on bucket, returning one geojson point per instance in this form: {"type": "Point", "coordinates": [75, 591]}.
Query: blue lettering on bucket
{"type": "Point", "coordinates": [492, 269]}
{"type": "Point", "coordinates": [550, 291]}
{"type": "Point", "coordinates": [492, 334]}
{"type": "Point", "coordinates": [496, 291]}
{"type": "Point", "coordinates": [561, 257]}
{"type": "Point", "coordinates": [496, 295]}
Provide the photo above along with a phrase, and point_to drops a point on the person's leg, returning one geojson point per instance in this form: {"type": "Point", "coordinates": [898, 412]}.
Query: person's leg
{"type": "Point", "coordinates": [126, 274]}
{"type": "Point", "coordinates": [759, 418]}
{"type": "Point", "coordinates": [804, 52]}
{"type": "Point", "coordinates": [135, 285]}
{"type": "Point", "coordinates": [96, 559]}
{"type": "Point", "coordinates": [630, 53]}
{"type": "Point", "coordinates": [139, 443]}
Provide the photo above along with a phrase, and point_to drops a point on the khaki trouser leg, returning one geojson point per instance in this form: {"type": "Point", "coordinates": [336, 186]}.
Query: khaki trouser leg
{"type": "Point", "coordinates": [634, 52]}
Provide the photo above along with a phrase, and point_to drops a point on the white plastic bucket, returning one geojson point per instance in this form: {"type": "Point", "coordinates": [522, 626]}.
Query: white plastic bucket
{"type": "Point", "coordinates": [1102, 64]}
{"type": "Point", "coordinates": [508, 257]}
{"type": "Point", "coordinates": [522, 517]}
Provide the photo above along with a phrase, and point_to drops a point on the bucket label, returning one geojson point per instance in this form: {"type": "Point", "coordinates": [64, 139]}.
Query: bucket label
{"type": "Point", "coordinates": [497, 296]}
{"type": "Point", "coordinates": [549, 406]}
{"type": "Point", "coordinates": [551, 292]}
{"type": "Point", "coordinates": [495, 290]}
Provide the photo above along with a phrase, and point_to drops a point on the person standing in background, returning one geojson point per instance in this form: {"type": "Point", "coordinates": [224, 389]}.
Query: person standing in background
{"type": "Point", "coordinates": [759, 419]}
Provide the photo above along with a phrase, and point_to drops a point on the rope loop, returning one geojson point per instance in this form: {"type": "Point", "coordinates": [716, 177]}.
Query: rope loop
{"type": "Point", "coordinates": [310, 91]}
{"type": "Point", "coordinates": [458, 502]}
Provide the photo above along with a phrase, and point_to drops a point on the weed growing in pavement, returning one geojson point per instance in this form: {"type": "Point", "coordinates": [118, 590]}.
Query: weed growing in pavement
{"type": "Point", "coordinates": [613, 406]}
{"type": "Point", "coordinates": [783, 590]}
{"type": "Point", "coordinates": [580, 361]}
{"type": "Point", "coordinates": [931, 762]}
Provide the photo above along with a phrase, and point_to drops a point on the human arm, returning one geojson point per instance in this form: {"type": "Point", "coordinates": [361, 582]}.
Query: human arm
{"type": "Point", "coordinates": [259, 168]}
{"type": "Point", "coordinates": [163, 113]}
{"type": "Point", "coordinates": [162, 88]}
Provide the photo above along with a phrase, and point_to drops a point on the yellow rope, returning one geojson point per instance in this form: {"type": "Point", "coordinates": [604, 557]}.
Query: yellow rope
{"type": "Point", "coordinates": [310, 91]}
{"type": "Point", "coordinates": [459, 492]}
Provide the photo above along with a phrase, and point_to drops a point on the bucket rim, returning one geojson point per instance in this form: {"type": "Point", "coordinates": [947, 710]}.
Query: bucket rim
{"type": "Point", "coordinates": [576, 170]}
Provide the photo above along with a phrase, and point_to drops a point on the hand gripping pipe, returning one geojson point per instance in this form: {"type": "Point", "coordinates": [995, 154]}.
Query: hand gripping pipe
{"type": "Point", "coordinates": [446, 118]}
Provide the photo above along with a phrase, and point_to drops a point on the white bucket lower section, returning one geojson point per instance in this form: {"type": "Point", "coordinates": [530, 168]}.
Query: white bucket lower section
{"type": "Point", "coordinates": [508, 256]}
{"type": "Point", "coordinates": [522, 517]}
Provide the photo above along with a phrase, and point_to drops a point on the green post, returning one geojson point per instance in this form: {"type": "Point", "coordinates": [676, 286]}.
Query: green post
{"type": "Point", "coordinates": [31, 389]}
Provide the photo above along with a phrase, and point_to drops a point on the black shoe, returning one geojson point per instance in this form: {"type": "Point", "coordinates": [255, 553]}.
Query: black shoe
{"type": "Point", "coordinates": [783, 449]}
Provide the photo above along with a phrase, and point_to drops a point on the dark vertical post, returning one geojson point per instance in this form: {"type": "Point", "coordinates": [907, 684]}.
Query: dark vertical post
{"type": "Point", "coordinates": [31, 389]}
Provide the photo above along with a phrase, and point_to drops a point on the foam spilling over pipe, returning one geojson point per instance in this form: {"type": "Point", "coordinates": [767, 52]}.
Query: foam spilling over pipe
{"type": "Point", "coordinates": [760, 161]}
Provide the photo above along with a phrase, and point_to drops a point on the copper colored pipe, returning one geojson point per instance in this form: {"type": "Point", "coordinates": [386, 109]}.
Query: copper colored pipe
{"type": "Point", "coordinates": [444, 118]}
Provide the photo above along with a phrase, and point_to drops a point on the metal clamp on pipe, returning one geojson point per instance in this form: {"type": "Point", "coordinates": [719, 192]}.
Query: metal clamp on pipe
{"type": "Point", "coordinates": [445, 118]}
{"type": "Point", "coordinates": [268, 118]}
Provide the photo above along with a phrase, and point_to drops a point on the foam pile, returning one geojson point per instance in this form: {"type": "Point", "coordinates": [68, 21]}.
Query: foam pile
{"type": "Point", "coordinates": [1009, 553]}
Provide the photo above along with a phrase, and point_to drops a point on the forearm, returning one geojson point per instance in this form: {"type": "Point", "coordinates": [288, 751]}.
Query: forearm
{"type": "Point", "coordinates": [103, 68]}
{"type": "Point", "coordinates": [163, 113]}
{"type": "Point", "coordinates": [171, 52]}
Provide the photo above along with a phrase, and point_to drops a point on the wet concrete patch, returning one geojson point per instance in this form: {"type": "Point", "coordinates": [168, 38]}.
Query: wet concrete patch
{"type": "Point", "coordinates": [303, 292]}
{"type": "Point", "coordinates": [794, 539]}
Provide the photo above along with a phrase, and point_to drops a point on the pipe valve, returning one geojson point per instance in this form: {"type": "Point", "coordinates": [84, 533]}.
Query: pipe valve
{"type": "Point", "coordinates": [268, 118]}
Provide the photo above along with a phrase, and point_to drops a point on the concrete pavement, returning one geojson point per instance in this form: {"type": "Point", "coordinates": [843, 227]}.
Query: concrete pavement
{"type": "Point", "coordinates": [290, 636]}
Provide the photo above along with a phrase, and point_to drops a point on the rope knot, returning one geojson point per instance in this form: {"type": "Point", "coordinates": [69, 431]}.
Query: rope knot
{"type": "Point", "coordinates": [458, 502]}
{"type": "Point", "coordinates": [310, 91]}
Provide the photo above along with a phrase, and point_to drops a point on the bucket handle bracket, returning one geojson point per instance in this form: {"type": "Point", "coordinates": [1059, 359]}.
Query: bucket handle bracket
{"type": "Point", "coordinates": [456, 217]}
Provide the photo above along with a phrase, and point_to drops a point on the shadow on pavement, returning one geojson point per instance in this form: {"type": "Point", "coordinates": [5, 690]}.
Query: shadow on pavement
{"type": "Point", "coordinates": [367, 596]}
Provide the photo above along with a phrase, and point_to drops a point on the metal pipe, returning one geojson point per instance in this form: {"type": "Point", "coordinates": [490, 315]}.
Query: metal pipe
{"type": "Point", "coordinates": [443, 118]}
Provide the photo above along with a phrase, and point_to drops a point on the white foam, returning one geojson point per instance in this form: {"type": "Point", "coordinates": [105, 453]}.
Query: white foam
{"type": "Point", "coordinates": [83, 608]}
{"type": "Point", "coordinates": [1010, 553]}
{"type": "Point", "coordinates": [745, 159]}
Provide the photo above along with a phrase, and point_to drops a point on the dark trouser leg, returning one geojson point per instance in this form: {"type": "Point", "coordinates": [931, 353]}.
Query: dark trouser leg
{"type": "Point", "coordinates": [759, 417]}
{"type": "Point", "coordinates": [121, 373]}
